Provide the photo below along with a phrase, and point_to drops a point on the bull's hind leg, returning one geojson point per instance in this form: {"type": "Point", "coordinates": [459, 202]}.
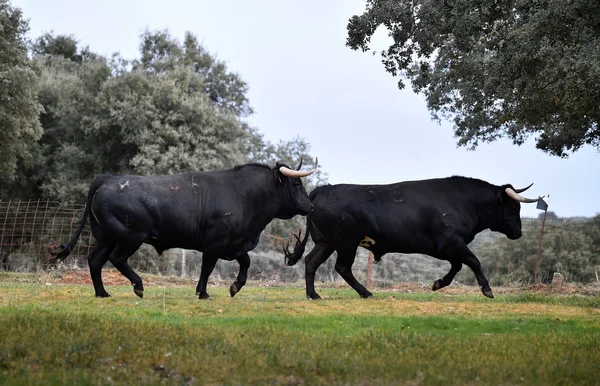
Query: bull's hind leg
{"type": "Point", "coordinates": [343, 266]}
{"type": "Point", "coordinates": [134, 278]}
{"type": "Point", "coordinates": [118, 257]}
{"type": "Point", "coordinates": [312, 262]}
{"type": "Point", "coordinates": [96, 260]}
{"type": "Point", "coordinates": [456, 266]}
{"type": "Point", "coordinates": [240, 281]}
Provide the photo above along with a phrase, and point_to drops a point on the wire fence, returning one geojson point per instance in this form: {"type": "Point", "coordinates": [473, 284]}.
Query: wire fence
{"type": "Point", "coordinates": [569, 246]}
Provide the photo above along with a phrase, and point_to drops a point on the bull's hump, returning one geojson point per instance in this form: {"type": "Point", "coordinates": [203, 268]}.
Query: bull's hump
{"type": "Point", "coordinates": [154, 184]}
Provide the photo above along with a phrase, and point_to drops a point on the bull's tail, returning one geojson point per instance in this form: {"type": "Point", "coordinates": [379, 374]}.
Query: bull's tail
{"type": "Point", "coordinates": [60, 252]}
{"type": "Point", "coordinates": [292, 258]}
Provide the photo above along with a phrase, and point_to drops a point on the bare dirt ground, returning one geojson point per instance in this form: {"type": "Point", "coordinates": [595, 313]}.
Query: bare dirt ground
{"type": "Point", "coordinates": [113, 277]}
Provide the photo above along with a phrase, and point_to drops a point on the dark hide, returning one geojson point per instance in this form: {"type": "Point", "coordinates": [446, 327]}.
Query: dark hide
{"type": "Point", "coordinates": [220, 213]}
{"type": "Point", "coordinates": [437, 217]}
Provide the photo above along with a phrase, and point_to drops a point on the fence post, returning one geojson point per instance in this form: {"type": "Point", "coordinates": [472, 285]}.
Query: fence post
{"type": "Point", "coordinates": [4, 224]}
{"type": "Point", "coordinates": [182, 262]}
{"type": "Point", "coordinates": [12, 234]}
{"type": "Point", "coordinates": [369, 264]}
{"type": "Point", "coordinates": [543, 205]}
{"type": "Point", "coordinates": [44, 227]}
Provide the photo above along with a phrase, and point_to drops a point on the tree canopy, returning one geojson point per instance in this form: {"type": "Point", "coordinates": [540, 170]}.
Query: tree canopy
{"type": "Point", "coordinates": [505, 68]}
{"type": "Point", "coordinates": [174, 108]}
{"type": "Point", "coordinates": [19, 108]}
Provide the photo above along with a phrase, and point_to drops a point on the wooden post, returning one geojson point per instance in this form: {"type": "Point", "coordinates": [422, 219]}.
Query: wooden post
{"type": "Point", "coordinates": [536, 274]}
{"type": "Point", "coordinates": [369, 264]}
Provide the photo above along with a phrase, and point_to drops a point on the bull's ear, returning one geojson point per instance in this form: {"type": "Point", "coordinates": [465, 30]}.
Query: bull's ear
{"type": "Point", "coordinates": [501, 194]}
{"type": "Point", "coordinates": [279, 177]}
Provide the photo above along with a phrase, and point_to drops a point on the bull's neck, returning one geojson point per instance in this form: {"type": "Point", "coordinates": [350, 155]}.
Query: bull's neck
{"type": "Point", "coordinates": [263, 195]}
{"type": "Point", "coordinates": [485, 214]}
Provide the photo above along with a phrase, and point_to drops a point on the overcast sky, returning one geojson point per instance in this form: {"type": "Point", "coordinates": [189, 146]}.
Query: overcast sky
{"type": "Point", "coordinates": [305, 82]}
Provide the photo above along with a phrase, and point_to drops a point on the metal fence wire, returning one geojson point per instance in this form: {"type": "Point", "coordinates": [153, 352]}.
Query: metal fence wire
{"type": "Point", "coordinates": [569, 246]}
{"type": "Point", "coordinates": [28, 228]}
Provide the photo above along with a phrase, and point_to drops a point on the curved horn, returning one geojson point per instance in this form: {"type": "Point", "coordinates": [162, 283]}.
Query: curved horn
{"type": "Point", "coordinates": [524, 189]}
{"type": "Point", "coordinates": [300, 165]}
{"type": "Point", "coordinates": [297, 173]}
{"type": "Point", "coordinates": [515, 196]}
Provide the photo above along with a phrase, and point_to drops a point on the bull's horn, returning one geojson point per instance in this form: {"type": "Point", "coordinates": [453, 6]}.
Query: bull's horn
{"type": "Point", "coordinates": [517, 197]}
{"type": "Point", "coordinates": [524, 189]}
{"type": "Point", "coordinates": [299, 165]}
{"type": "Point", "coordinates": [297, 173]}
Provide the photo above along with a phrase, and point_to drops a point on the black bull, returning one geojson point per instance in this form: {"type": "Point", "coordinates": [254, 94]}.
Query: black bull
{"type": "Point", "coordinates": [220, 213]}
{"type": "Point", "coordinates": [437, 217]}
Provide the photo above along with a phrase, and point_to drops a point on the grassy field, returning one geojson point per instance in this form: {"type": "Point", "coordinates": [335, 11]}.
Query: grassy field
{"type": "Point", "coordinates": [53, 333]}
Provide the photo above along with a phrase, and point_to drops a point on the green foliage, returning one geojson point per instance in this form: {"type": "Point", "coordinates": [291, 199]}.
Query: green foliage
{"type": "Point", "coordinates": [510, 68]}
{"type": "Point", "coordinates": [569, 247]}
{"type": "Point", "coordinates": [176, 108]}
{"type": "Point", "coordinates": [550, 215]}
{"type": "Point", "coordinates": [63, 46]}
{"type": "Point", "coordinates": [56, 335]}
{"type": "Point", "coordinates": [19, 108]}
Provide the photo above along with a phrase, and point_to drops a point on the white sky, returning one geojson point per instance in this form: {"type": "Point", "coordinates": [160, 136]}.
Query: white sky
{"type": "Point", "coordinates": [305, 82]}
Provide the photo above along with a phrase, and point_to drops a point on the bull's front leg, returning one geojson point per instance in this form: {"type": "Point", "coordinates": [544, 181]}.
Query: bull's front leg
{"type": "Point", "coordinates": [453, 248]}
{"type": "Point", "coordinates": [208, 265]}
{"type": "Point", "coordinates": [244, 261]}
{"type": "Point", "coordinates": [473, 262]}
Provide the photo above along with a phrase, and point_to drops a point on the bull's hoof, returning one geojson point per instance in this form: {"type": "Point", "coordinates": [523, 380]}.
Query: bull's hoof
{"type": "Point", "coordinates": [367, 295]}
{"type": "Point", "coordinates": [204, 297]}
{"type": "Point", "coordinates": [488, 293]}
{"type": "Point", "coordinates": [139, 292]}
{"type": "Point", "coordinates": [437, 285]}
{"type": "Point", "coordinates": [313, 297]}
{"type": "Point", "coordinates": [103, 295]}
{"type": "Point", "coordinates": [233, 290]}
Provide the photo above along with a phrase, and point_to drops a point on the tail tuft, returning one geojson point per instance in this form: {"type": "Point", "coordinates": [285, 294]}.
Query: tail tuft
{"type": "Point", "coordinates": [57, 252]}
{"type": "Point", "coordinates": [291, 258]}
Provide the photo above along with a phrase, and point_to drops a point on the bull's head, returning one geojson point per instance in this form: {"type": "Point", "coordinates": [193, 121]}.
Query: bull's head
{"type": "Point", "coordinates": [295, 198]}
{"type": "Point", "coordinates": [509, 221]}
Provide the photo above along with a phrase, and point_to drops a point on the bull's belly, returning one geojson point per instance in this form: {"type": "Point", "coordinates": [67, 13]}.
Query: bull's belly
{"type": "Point", "coordinates": [382, 244]}
{"type": "Point", "coordinates": [221, 245]}
{"type": "Point", "coordinates": [408, 249]}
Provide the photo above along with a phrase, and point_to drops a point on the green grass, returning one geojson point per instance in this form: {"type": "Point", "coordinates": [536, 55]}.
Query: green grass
{"type": "Point", "coordinates": [60, 334]}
